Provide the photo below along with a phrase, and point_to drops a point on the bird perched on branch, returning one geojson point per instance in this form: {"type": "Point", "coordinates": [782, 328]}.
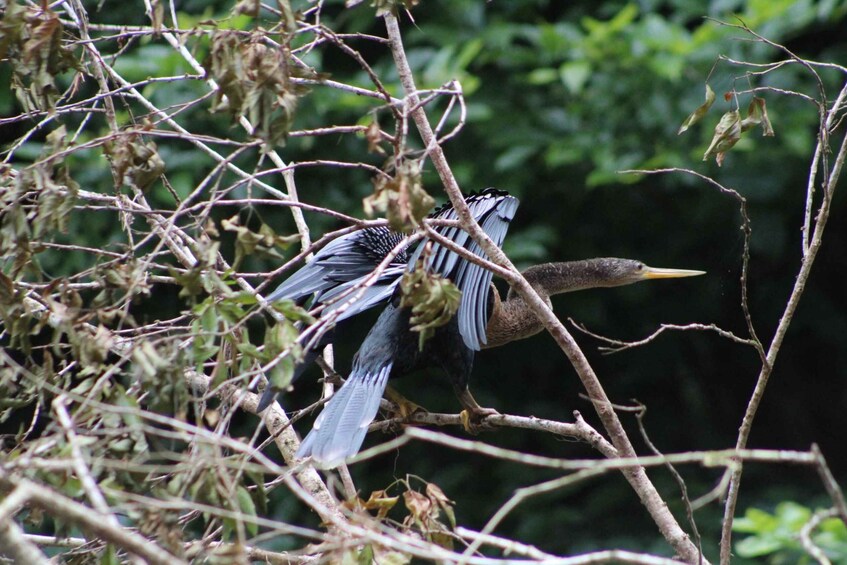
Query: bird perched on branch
{"type": "Point", "coordinates": [483, 320]}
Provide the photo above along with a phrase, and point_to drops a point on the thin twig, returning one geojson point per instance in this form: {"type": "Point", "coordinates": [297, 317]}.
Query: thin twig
{"type": "Point", "coordinates": [776, 342]}
{"type": "Point", "coordinates": [618, 345]}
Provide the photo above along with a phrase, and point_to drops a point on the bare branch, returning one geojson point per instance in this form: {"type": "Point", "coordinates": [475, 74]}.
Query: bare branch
{"type": "Point", "coordinates": [648, 494]}
{"type": "Point", "coordinates": [618, 345]}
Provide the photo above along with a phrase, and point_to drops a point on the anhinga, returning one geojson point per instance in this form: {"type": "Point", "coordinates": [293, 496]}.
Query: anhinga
{"type": "Point", "coordinates": [483, 319]}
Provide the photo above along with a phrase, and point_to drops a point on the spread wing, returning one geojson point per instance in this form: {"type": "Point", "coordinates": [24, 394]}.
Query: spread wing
{"type": "Point", "coordinates": [343, 264]}
{"type": "Point", "coordinates": [493, 210]}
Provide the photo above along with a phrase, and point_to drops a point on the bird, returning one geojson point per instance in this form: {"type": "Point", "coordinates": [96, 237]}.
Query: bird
{"type": "Point", "coordinates": [346, 262]}
{"type": "Point", "coordinates": [391, 349]}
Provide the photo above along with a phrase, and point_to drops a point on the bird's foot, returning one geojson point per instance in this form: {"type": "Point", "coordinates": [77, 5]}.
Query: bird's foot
{"type": "Point", "coordinates": [474, 420]}
{"type": "Point", "coordinates": [474, 416]}
{"type": "Point", "coordinates": [405, 407]}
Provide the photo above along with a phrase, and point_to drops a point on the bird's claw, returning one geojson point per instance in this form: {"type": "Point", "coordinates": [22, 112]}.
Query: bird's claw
{"type": "Point", "coordinates": [403, 407]}
{"type": "Point", "coordinates": [475, 420]}
{"type": "Point", "coordinates": [406, 408]}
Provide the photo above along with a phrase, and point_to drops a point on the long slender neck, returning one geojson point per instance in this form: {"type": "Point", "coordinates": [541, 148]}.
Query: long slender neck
{"type": "Point", "coordinates": [549, 279]}
{"type": "Point", "coordinates": [512, 319]}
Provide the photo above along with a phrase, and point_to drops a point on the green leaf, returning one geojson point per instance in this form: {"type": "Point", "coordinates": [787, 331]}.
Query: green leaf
{"type": "Point", "coordinates": [246, 505]}
{"type": "Point", "coordinates": [281, 338]}
{"type": "Point", "coordinates": [755, 521]}
{"type": "Point", "coordinates": [281, 374]}
{"type": "Point", "coordinates": [204, 345]}
{"type": "Point", "coordinates": [366, 556]}
{"type": "Point", "coordinates": [574, 75]}
{"type": "Point", "coordinates": [191, 281]}
{"type": "Point", "coordinates": [247, 348]}
{"type": "Point", "coordinates": [792, 515]}
{"type": "Point", "coordinates": [542, 76]}
{"type": "Point", "coordinates": [292, 311]}
{"type": "Point", "coordinates": [756, 546]}
{"type": "Point", "coordinates": [109, 557]}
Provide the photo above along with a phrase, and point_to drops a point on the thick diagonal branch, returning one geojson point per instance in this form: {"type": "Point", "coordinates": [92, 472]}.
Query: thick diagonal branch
{"type": "Point", "coordinates": [637, 476]}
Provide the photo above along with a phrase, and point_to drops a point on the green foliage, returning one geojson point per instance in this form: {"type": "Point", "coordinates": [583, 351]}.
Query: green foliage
{"type": "Point", "coordinates": [585, 91]}
{"type": "Point", "coordinates": [777, 536]}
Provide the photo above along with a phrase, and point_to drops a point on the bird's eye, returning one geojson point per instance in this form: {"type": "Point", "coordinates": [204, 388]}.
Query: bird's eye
{"type": "Point", "coordinates": [640, 267]}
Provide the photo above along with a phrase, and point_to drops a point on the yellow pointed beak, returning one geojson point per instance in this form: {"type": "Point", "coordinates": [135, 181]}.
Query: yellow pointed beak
{"type": "Point", "coordinates": [656, 273]}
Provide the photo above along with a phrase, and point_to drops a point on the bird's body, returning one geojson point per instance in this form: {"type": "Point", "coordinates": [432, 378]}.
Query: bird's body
{"type": "Point", "coordinates": [346, 262]}
{"type": "Point", "coordinates": [389, 351]}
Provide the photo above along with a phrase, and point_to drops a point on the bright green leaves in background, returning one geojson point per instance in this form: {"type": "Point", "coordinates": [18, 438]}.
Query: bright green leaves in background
{"type": "Point", "coordinates": [598, 90]}
{"type": "Point", "coordinates": [778, 535]}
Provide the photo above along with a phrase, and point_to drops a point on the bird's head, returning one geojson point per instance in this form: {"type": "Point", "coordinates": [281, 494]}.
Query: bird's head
{"type": "Point", "coordinates": [618, 272]}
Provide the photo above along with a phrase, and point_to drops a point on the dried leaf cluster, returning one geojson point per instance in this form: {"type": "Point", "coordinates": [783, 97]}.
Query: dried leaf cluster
{"type": "Point", "coordinates": [731, 125]}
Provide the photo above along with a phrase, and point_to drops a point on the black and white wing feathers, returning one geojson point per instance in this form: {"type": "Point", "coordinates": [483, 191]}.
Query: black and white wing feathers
{"type": "Point", "coordinates": [343, 264]}
{"type": "Point", "coordinates": [493, 210]}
